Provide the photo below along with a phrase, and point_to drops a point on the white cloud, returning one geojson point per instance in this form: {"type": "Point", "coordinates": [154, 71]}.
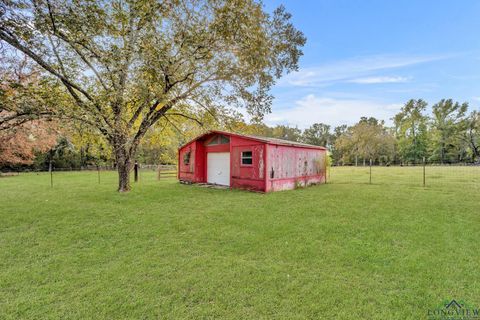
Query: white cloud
{"type": "Point", "coordinates": [312, 109]}
{"type": "Point", "coordinates": [374, 80]}
{"type": "Point", "coordinates": [350, 69]}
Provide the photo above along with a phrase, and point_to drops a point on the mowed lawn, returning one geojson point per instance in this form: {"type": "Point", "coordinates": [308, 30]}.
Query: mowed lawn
{"type": "Point", "coordinates": [346, 250]}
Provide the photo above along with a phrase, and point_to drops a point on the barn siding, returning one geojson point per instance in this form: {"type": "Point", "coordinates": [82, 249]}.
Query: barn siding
{"type": "Point", "coordinates": [200, 162]}
{"type": "Point", "coordinates": [290, 167]}
{"type": "Point", "coordinates": [187, 172]}
{"type": "Point", "coordinates": [247, 177]}
{"type": "Point", "coordinates": [194, 171]}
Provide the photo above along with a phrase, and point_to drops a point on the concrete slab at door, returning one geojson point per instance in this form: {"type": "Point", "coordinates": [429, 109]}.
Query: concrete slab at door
{"type": "Point", "coordinates": [218, 168]}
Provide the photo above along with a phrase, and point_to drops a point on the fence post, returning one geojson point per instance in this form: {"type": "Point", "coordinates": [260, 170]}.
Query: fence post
{"type": "Point", "coordinates": [424, 172]}
{"type": "Point", "coordinates": [50, 169]}
{"type": "Point", "coordinates": [370, 171]}
{"type": "Point", "coordinates": [159, 173]}
{"type": "Point", "coordinates": [135, 170]}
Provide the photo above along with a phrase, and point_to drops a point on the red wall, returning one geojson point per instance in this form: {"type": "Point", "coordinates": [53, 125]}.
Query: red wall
{"type": "Point", "coordinates": [194, 171]}
{"type": "Point", "coordinates": [292, 167]}
{"type": "Point", "coordinates": [251, 177]}
{"type": "Point", "coordinates": [186, 172]}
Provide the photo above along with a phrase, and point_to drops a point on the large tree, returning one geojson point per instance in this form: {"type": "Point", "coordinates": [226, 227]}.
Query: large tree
{"type": "Point", "coordinates": [369, 139]}
{"type": "Point", "coordinates": [127, 64]}
{"type": "Point", "coordinates": [448, 126]}
{"type": "Point", "coordinates": [337, 154]}
{"type": "Point", "coordinates": [285, 133]}
{"type": "Point", "coordinates": [411, 131]}
{"type": "Point", "coordinates": [318, 134]}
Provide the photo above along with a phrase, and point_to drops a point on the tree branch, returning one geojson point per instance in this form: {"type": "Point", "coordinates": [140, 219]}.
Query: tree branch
{"type": "Point", "coordinates": [173, 125]}
{"type": "Point", "coordinates": [205, 108]}
{"type": "Point", "coordinates": [16, 119]}
{"type": "Point", "coordinates": [136, 114]}
{"type": "Point", "coordinates": [185, 116]}
{"type": "Point", "coordinates": [16, 44]}
{"type": "Point", "coordinates": [62, 36]}
{"type": "Point", "coordinates": [84, 59]}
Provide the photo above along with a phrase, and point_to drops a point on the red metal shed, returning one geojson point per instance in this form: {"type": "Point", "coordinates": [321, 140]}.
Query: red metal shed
{"type": "Point", "coordinates": [250, 162]}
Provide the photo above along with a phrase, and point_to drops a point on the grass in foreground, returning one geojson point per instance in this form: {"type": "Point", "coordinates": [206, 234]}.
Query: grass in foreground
{"type": "Point", "coordinates": [342, 250]}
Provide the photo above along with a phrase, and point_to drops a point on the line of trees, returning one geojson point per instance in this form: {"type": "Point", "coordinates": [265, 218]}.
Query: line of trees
{"type": "Point", "coordinates": [450, 134]}
{"type": "Point", "coordinates": [32, 135]}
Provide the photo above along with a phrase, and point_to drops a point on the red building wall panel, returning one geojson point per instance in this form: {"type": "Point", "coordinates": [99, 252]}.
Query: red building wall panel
{"type": "Point", "coordinates": [186, 171]}
{"type": "Point", "coordinates": [200, 163]}
{"type": "Point", "coordinates": [247, 176]}
{"type": "Point", "coordinates": [218, 148]}
{"type": "Point", "coordinates": [291, 167]}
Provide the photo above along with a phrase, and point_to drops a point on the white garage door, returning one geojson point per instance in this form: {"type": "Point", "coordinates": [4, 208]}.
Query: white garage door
{"type": "Point", "coordinates": [218, 168]}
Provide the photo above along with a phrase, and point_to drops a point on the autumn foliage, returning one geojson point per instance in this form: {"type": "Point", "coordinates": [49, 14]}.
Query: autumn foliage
{"type": "Point", "coordinates": [19, 145]}
{"type": "Point", "coordinates": [25, 124]}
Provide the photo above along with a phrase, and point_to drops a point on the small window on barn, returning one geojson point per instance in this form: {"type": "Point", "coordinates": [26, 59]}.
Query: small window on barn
{"type": "Point", "coordinates": [186, 158]}
{"type": "Point", "coordinates": [219, 139]}
{"type": "Point", "coordinates": [213, 142]}
{"type": "Point", "coordinates": [224, 140]}
{"type": "Point", "coordinates": [247, 158]}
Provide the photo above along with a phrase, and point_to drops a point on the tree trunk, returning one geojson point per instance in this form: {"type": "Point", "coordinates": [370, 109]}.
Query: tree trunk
{"type": "Point", "coordinates": [123, 177]}
{"type": "Point", "coordinates": [124, 166]}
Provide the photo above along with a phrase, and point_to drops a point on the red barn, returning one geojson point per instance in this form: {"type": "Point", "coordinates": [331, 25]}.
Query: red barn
{"type": "Point", "coordinates": [250, 162]}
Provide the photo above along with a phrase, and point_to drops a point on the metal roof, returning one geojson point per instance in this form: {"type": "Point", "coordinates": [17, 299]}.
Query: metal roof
{"type": "Point", "coordinates": [268, 140]}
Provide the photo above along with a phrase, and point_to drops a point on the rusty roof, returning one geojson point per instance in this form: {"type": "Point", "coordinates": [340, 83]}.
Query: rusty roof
{"type": "Point", "coordinates": [268, 140]}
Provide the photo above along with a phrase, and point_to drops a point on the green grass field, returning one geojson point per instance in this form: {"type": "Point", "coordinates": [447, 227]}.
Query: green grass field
{"type": "Point", "coordinates": [345, 250]}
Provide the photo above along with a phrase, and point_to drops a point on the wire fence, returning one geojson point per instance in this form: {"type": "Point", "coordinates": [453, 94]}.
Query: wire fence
{"type": "Point", "coordinates": [139, 172]}
{"type": "Point", "coordinates": [429, 174]}
{"type": "Point", "coordinates": [143, 167]}
{"type": "Point", "coordinates": [461, 175]}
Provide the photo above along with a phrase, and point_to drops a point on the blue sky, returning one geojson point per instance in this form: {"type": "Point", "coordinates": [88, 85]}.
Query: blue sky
{"type": "Point", "coordinates": [367, 58]}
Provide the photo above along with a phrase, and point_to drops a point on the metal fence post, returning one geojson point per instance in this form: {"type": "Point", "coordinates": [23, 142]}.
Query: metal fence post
{"type": "Point", "coordinates": [370, 171]}
{"type": "Point", "coordinates": [135, 170]}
